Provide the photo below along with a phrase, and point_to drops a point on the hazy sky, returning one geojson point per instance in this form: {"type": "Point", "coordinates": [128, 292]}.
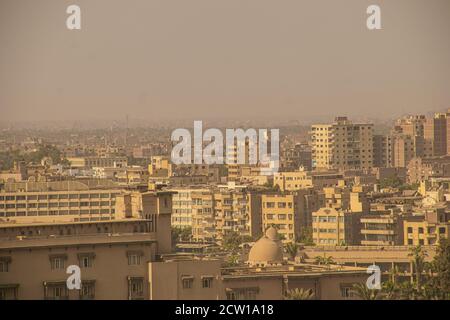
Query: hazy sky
{"type": "Point", "coordinates": [156, 59]}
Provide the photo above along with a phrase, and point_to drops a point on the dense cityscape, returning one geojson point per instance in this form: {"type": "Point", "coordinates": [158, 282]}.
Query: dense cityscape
{"type": "Point", "coordinates": [224, 159]}
{"type": "Point", "coordinates": [348, 196]}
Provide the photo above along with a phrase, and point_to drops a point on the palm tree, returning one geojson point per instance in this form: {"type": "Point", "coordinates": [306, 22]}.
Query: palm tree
{"type": "Point", "coordinates": [325, 260]}
{"type": "Point", "coordinates": [390, 288]}
{"type": "Point", "coordinates": [365, 293]}
{"type": "Point", "coordinates": [299, 294]}
{"type": "Point", "coordinates": [419, 264]}
{"type": "Point", "coordinates": [291, 249]}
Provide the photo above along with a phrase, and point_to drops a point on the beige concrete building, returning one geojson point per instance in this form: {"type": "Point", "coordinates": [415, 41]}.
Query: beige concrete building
{"type": "Point", "coordinates": [435, 131]}
{"type": "Point", "coordinates": [90, 162]}
{"type": "Point", "coordinates": [336, 227]}
{"type": "Point", "coordinates": [342, 145]}
{"type": "Point", "coordinates": [385, 257]}
{"type": "Point", "coordinates": [160, 166]}
{"type": "Point", "coordinates": [301, 179]}
{"type": "Point", "coordinates": [213, 212]}
{"type": "Point", "coordinates": [420, 169]}
{"type": "Point", "coordinates": [383, 151]}
{"type": "Point", "coordinates": [285, 212]}
{"type": "Point", "coordinates": [89, 200]}
{"type": "Point", "coordinates": [427, 229]}
{"type": "Point", "coordinates": [382, 229]}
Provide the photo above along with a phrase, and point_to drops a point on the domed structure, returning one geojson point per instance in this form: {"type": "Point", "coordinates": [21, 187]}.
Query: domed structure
{"type": "Point", "coordinates": [267, 250]}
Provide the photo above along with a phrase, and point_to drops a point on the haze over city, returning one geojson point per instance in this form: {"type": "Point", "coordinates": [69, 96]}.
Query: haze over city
{"type": "Point", "coordinates": [199, 59]}
{"type": "Point", "coordinates": [200, 150]}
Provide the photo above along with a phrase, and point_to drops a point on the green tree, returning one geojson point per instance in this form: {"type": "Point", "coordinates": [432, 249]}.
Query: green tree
{"type": "Point", "coordinates": [306, 237]}
{"type": "Point", "coordinates": [324, 260]}
{"type": "Point", "coordinates": [419, 265]}
{"type": "Point", "coordinates": [393, 182]}
{"type": "Point", "coordinates": [364, 293]}
{"type": "Point", "coordinates": [232, 240]}
{"type": "Point", "coordinates": [181, 234]}
{"type": "Point", "coordinates": [299, 294]}
{"type": "Point", "coordinates": [438, 287]}
{"type": "Point", "coordinates": [291, 249]}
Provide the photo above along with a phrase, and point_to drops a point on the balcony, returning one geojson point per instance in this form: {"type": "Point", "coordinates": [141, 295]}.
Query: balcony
{"type": "Point", "coordinates": [382, 232]}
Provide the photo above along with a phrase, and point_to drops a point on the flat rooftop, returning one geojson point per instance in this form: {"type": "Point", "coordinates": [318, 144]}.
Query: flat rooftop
{"type": "Point", "coordinates": [76, 240]}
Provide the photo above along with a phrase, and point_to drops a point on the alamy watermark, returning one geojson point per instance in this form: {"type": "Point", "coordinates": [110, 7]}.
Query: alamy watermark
{"type": "Point", "coordinates": [374, 281]}
{"type": "Point", "coordinates": [243, 147]}
{"type": "Point", "coordinates": [74, 280]}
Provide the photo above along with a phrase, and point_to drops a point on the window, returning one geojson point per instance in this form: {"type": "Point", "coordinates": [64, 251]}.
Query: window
{"type": "Point", "coordinates": [4, 264]}
{"type": "Point", "coordinates": [270, 204]}
{"type": "Point", "coordinates": [441, 230]}
{"type": "Point", "coordinates": [9, 292]}
{"type": "Point", "coordinates": [57, 261]}
{"type": "Point", "coordinates": [242, 294]}
{"type": "Point", "coordinates": [420, 230]}
{"type": "Point", "coordinates": [134, 257]}
{"type": "Point", "coordinates": [347, 291]}
{"type": "Point", "coordinates": [207, 282]}
{"type": "Point", "coordinates": [55, 291]}
{"type": "Point", "coordinates": [85, 259]}
{"type": "Point", "coordinates": [135, 288]}
{"type": "Point", "coordinates": [421, 242]}
{"type": "Point", "coordinates": [87, 291]}
{"type": "Point", "coordinates": [410, 229]}
{"type": "Point", "coordinates": [187, 282]}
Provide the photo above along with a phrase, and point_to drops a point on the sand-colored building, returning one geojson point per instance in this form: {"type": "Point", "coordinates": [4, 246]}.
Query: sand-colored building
{"type": "Point", "coordinates": [428, 228]}
{"type": "Point", "coordinates": [213, 212]}
{"type": "Point", "coordinates": [94, 161]}
{"type": "Point", "coordinates": [342, 145]}
{"type": "Point", "coordinates": [112, 255]}
{"type": "Point", "coordinates": [285, 212]}
{"type": "Point", "coordinates": [89, 200]}
{"type": "Point", "coordinates": [336, 227]}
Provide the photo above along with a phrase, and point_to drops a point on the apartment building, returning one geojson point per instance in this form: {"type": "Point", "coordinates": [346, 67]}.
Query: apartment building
{"type": "Point", "coordinates": [293, 180]}
{"type": "Point", "coordinates": [335, 227]}
{"type": "Point", "coordinates": [237, 211]}
{"type": "Point", "coordinates": [295, 157]}
{"type": "Point", "coordinates": [382, 229]}
{"type": "Point", "coordinates": [182, 206]}
{"type": "Point", "coordinates": [342, 145]}
{"type": "Point", "coordinates": [160, 166]}
{"type": "Point", "coordinates": [301, 179]}
{"type": "Point", "coordinates": [435, 131]}
{"type": "Point", "coordinates": [412, 125]}
{"type": "Point", "coordinates": [89, 200]}
{"type": "Point", "coordinates": [383, 151]}
{"type": "Point", "coordinates": [406, 148]}
{"type": "Point", "coordinates": [215, 211]}
{"type": "Point", "coordinates": [428, 228]}
{"type": "Point", "coordinates": [385, 257]}
{"type": "Point", "coordinates": [286, 212]}
{"type": "Point", "coordinates": [203, 216]}
{"type": "Point", "coordinates": [92, 161]}
{"type": "Point", "coordinates": [421, 169]}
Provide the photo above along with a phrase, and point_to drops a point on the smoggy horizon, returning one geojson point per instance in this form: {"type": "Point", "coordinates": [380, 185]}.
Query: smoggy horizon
{"type": "Point", "coordinates": [199, 59]}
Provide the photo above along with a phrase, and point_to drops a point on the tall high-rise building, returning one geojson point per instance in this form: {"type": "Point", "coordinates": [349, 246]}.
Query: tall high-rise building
{"type": "Point", "coordinates": [412, 125]}
{"type": "Point", "coordinates": [342, 145]}
{"type": "Point", "coordinates": [383, 152]}
{"type": "Point", "coordinates": [435, 130]}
